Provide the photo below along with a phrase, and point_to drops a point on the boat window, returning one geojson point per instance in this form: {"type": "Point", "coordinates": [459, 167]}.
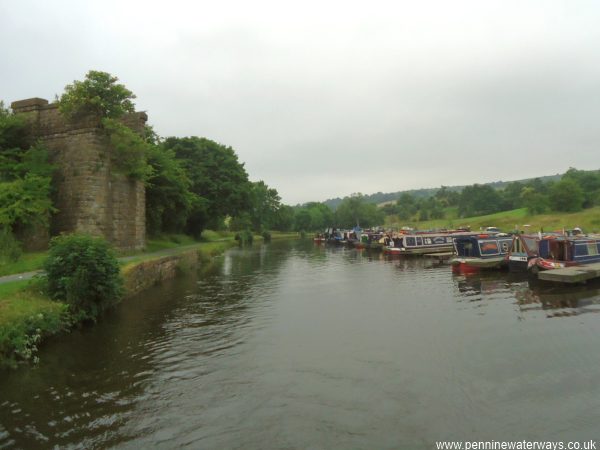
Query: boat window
{"type": "Point", "coordinates": [427, 241]}
{"type": "Point", "coordinates": [581, 250]}
{"type": "Point", "coordinates": [410, 241]}
{"type": "Point", "coordinates": [488, 247]}
{"type": "Point", "coordinates": [531, 244]}
{"type": "Point", "coordinates": [592, 249]}
{"type": "Point", "coordinates": [464, 247]}
{"type": "Point", "coordinates": [449, 240]}
{"type": "Point", "coordinates": [504, 246]}
{"type": "Point", "coordinates": [419, 241]}
{"type": "Point", "coordinates": [558, 250]}
{"type": "Point", "coordinates": [544, 248]}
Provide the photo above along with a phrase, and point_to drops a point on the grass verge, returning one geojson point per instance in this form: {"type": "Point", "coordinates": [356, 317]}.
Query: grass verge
{"type": "Point", "coordinates": [28, 262]}
{"type": "Point", "coordinates": [27, 317]}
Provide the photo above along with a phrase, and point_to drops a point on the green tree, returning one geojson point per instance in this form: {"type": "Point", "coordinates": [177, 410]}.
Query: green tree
{"type": "Point", "coordinates": [265, 202]}
{"type": "Point", "coordinates": [447, 197]}
{"type": "Point", "coordinates": [535, 202]}
{"type": "Point", "coordinates": [284, 218]}
{"type": "Point", "coordinates": [99, 94]}
{"type": "Point", "coordinates": [321, 216]}
{"type": "Point", "coordinates": [303, 220]}
{"type": "Point", "coordinates": [567, 196]}
{"type": "Point", "coordinates": [25, 178]}
{"type": "Point", "coordinates": [589, 182]}
{"type": "Point", "coordinates": [354, 210]}
{"type": "Point", "coordinates": [511, 195]}
{"type": "Point", "coordinates": [219, 182]}
{"type": "Point", "coordinates": [479, 199]}
{"type": "Point", "coordinates": [168, 198]}
{"type": "Point", "coordinates": [406, 206]}
{"type": "Point", "coordinates": [432, 208]}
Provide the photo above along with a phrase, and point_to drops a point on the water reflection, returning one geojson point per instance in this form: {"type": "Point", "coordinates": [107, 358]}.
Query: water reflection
{"type": "Point", "coordinates": [531, 295]}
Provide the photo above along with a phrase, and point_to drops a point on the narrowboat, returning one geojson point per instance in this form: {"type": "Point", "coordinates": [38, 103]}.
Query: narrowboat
{"type": "Point", "coordinates": [363, 241]}
{"type": "Point", "coordinates": [392, 245]}
{"type": "Point", "coordinates": [319, 238]}
{"type": "Point", "coordinates": [483, 251]}
{"type": "Point", "coordinates": [334, 237]}
{"type": "Point", "coordinates": [353, 237]}
{"type": "Point", "coordinates": [523, 252]}
{"type": "Point", "coordinates": [556, 252]}
{"type": "Point", "coordinates": [419, 244]}
{"type": "Point", "coordinates": [374, 241]}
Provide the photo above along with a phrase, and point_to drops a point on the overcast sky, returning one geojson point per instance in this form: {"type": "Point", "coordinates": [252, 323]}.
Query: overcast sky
{"type": "Point", "coordinates": [322, 99]}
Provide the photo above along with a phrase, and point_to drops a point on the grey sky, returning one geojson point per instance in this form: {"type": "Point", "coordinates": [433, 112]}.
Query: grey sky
{"type": "Point", "coordinates": [322, 99]}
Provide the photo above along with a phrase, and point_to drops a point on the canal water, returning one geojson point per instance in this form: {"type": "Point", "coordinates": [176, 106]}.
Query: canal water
{"type": "Point", "coordinates": [294, 346]}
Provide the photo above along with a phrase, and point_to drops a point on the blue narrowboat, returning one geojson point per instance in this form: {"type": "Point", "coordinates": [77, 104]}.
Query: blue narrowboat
{"type": "Point", "coordinates": [483, 251]}
{"type": "Point", "coordinates": [421, 243]}
{"type": "Point", "coordinates": [556, 252]}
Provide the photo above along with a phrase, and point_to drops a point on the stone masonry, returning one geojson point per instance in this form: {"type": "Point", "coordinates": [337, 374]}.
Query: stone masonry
{"type": "Point", "coordinates": [90, 195]}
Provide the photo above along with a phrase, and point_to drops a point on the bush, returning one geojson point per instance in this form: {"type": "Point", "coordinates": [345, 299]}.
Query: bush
{"type": "Point", "coordinates": [244, 237]}
{"type": "Point", "coordinates": [266, 236]}
{"type": "Point", "coordinates": [10, 248]}
{"type": "Point", "coordinates": [84, 272]}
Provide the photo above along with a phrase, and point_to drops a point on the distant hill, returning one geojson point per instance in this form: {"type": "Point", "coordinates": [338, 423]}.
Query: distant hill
{"type": "Point", "coordinates": [381, 197]}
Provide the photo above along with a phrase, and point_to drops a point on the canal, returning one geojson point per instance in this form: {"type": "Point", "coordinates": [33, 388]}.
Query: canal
{"type": "Point", "coordinates": [290, 345]}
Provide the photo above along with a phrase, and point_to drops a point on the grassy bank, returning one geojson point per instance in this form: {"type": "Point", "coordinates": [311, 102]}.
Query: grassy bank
{"type": "Point", "coordinates": [588, 220]}
{"type": "Point", "coordinates": [27, 317]}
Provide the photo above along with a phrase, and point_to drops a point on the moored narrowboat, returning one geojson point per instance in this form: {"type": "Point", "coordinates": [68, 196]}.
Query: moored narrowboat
{"type": "Point", "coordinates": [483, 251]}
{"type": "Point", "coordinates": [319, 238]}
{"type": "Point", "coordinates": [392, 245]}
{"type": "Point", "coordinates": [421, 243]}
{"type": "Point", "coordinates": [523, 252]}
{"type": "Point", "coordinates": [556, 252]}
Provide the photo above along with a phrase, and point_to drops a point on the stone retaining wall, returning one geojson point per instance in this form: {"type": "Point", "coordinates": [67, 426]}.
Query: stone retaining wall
{"type": "Point", "coordinates": [147, 273]}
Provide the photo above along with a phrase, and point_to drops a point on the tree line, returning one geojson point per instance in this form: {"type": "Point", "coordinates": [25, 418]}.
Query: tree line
{"type": "Point", "coordinates": [574, 191]}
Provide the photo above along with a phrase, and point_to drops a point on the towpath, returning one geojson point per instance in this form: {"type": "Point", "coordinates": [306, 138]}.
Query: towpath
{"type": "Point", "coordinates": [164, 252]}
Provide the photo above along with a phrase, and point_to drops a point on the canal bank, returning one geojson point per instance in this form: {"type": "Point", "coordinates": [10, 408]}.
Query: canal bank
{"type": "Point", "coordinates": [28, 317]}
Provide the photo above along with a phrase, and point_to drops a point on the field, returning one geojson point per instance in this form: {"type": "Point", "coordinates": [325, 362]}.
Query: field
{"type": "Point", "coordinates": [588, 220]}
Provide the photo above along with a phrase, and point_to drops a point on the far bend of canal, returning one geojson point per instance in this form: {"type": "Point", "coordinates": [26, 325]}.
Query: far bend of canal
{"type": "Point", "coordinates": [295, 346]}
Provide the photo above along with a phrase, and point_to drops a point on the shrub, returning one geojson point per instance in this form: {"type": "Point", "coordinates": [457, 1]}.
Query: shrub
{"type": "Point", "coordinates": [266, 236]}
{"type": "Point", "coordinates": [10, 248]}
{"type": "Point", "coordinates": [83, 271]}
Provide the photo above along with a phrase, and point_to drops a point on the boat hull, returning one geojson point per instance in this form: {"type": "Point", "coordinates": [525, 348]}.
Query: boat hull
{"type": "Point", "coordinates": [519, 264]}
{"type": "Point", "coordinates": [392, 251]}
{"type": "Point", "coordinates": [471, 265]}
{"type": "Point", "coordinates": [423, 250]}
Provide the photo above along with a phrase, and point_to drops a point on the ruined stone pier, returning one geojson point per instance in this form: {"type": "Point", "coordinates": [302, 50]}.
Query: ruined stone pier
{"type": "Point", "coordinates": [90, 194]}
